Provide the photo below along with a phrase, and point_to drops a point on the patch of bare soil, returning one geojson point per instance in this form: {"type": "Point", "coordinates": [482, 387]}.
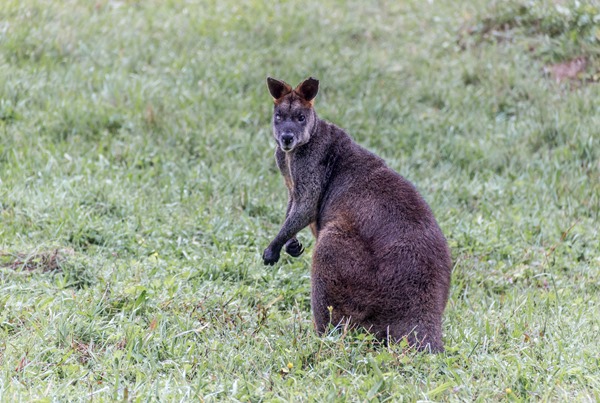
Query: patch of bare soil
{"type": "Point", "coordinates": [572, 70]}
{"type": "Point", "coordinates": [44, 261]}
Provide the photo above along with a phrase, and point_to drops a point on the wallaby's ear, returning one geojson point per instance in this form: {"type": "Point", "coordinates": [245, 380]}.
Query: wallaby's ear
{"type": "Point", "coordinates": [278, 88]}
{"type": "Point", "coordinates": [308, 89]}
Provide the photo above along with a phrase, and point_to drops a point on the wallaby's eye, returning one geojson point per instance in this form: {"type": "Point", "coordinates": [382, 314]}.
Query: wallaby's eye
{"type": "Point", "coordinates": [301, 118]}
{"type": "Point", "coordinates": [277, 117]}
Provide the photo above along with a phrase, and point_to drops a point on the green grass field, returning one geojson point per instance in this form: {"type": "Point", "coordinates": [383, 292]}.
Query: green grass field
{"type": "Point", "coordinates": [138, 189]}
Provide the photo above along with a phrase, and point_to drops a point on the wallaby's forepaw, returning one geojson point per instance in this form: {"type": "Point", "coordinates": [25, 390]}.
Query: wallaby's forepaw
{"type": "Point", "coordinates": [270, 257]}
{"type": "Point", "coordinates": [293, 247]}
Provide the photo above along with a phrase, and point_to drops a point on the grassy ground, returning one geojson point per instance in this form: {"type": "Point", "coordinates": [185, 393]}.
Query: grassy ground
{"type": "Point", "coordinates": [138, 189]}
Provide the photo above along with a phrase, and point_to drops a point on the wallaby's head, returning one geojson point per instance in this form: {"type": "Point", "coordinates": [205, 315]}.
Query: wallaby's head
{"type": "Point", "coordinates": [293, 116]}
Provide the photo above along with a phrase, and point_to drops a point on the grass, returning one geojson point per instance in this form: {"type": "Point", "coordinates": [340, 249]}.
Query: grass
{"type": "Point", "coordinates": [138, 189]}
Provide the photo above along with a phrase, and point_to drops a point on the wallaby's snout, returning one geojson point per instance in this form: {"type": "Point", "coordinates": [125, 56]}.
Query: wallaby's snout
{"type": "Point", "coordinates": [287, 138]}
{"type": "Point", "coordinates": [288, 134]}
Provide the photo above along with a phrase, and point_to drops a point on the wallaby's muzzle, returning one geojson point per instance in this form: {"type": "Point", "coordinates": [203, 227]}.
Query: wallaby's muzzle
{"type": "Point", "coordinates": [287, 140]}
{"type": "Point", "coordinates": [288, 133]}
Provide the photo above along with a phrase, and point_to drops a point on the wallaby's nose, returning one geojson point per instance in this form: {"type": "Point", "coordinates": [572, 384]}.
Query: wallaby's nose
{"type": "Point", "coordinates": [287, 138]}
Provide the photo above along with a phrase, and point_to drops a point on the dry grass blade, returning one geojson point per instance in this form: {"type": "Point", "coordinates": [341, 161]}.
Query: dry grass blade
{"type": "Point", "coordinates": [44, 261]}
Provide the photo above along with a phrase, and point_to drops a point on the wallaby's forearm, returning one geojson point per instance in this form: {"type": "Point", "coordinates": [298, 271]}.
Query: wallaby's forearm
{"type": "Point", "coordinates": [293, 247]}
{"type": "Point", "coordinates": [296, 220]}
{"type": "Point", "coordinates": [300, 215]}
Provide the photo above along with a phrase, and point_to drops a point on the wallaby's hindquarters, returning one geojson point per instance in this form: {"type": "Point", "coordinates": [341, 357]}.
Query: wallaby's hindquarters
{"type": "Point", "coordinates": [380, 260]}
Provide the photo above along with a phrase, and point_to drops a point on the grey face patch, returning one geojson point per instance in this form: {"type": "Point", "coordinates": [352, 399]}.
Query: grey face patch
{"type": "Point", "coordinates": [293, 121]}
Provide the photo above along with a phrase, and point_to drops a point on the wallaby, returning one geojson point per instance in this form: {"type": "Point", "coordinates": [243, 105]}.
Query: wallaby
{"type": "Point", "coordinates": [380, 260]}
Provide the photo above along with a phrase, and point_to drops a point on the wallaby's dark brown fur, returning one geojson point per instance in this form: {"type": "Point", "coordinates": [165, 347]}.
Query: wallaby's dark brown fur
{"type": "Point", "coordinates": [380, 260]}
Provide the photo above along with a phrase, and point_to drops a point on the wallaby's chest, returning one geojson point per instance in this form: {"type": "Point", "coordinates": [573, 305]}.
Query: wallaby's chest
{"type": "Point", "coordinates": [285, 163]}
